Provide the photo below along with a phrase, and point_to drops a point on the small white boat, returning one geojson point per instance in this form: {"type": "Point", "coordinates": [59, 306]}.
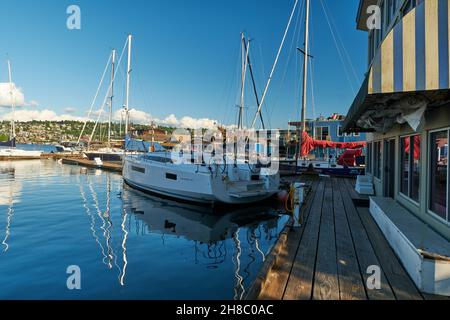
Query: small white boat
{"type": "Point", "coordinates": [227, 183]}
{"type": "Point", "coordinates": [10, 151]}
{"type": "Point", "coordinates": [14, 153]}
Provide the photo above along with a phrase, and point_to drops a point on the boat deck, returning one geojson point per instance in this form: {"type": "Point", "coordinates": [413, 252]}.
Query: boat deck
{"type": "Point", "coordinates": [328, 257]}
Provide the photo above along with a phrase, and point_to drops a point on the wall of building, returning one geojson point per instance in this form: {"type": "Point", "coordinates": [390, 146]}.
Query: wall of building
{"type": "Point", "coordinates": [438, 118]}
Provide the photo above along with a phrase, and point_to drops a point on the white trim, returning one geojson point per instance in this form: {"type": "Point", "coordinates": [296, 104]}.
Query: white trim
{"type": "Point", "coordinates": [411, 163]}
{"type": "Point", "coordinates": [337, 131]}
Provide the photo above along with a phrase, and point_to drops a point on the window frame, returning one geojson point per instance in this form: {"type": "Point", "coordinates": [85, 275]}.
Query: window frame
{"type": "Point", "coordinates": [378, 165]}
{"type": "Point", "coordinates": [431, 212]}
{"type": "Point", "coordinates": [339, 132]}
{"type": "Point", "coordinates": [369, 164]}
{"type": "Point", "coordinates": [410, 168]}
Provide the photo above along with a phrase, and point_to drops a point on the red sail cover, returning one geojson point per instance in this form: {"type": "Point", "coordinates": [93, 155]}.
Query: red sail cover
{"type": "Point", "coordinates": [309, 144]}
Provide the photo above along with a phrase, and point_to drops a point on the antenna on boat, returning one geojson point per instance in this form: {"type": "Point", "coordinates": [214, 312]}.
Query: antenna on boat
{"type": "Point", "coordinates": [111, 97]}
{"type": "Point", "coordinates": [13, 105]}
{"type": "Point", "coordinates": [127, 94]}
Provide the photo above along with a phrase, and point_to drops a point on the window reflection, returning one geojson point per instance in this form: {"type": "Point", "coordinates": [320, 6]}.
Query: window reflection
{"type": "Point", "coordinates": [439, 173]}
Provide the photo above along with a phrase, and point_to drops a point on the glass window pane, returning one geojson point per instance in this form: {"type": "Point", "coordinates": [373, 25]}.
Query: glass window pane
{"type": "Point", "coordinates": [404, 179]}
{"type": "Point", "coordinates": [416, 168]}
{"type": "Point", "coordinates": [377, 159]}
{"type": "Point", "coordinates": [439, 167]}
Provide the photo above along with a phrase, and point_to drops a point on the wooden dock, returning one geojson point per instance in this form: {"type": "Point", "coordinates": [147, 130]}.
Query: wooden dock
{"type": "Point", "coordinates": [109, 166]}
{"type": "Point", "coordinates": [329, 256]}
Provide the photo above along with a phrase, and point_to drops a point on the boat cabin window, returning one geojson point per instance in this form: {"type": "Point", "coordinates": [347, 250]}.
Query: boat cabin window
{"type": "Point", "coordinates": [171, 176]}
{"type": "Point", "coordinates": [158, 159]}
{"type": "Point", "coordinates": [410, 166]}
{"type": "Point", "coordinates": [439, 169]}
{"type": "Point", "coordinates": [138, 169]}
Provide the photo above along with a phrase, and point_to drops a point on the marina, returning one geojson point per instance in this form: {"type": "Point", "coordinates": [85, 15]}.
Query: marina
{"type": "Point", "coordinates": [149, 187]}
{"type": "Point", "coordinates": [95, 221]}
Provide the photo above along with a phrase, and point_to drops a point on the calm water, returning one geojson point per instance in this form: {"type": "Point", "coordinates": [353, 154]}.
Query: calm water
{"type": "Point", "coordinates": [128, 245]}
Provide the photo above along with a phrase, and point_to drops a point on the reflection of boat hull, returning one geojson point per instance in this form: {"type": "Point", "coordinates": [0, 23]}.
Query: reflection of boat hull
{"type": "Point", "coordinates": [194, 222]}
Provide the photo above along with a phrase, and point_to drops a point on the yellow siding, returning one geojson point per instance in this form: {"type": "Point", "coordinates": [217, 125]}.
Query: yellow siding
{"type": "Point", "coordinates": [387, 64]}
{"type": "Point", "coordinates": [431, 45]}
{"type": "Point", "coordinates": [370, 89]}
{"type": "Point", "coordinates": [409, 51]}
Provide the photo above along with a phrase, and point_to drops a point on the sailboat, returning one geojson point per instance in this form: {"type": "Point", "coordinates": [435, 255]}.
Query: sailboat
{"type": "Point", "coordinates": [235, 181]}
{"type": "Point", "coordinates": [8, 150]}
{"type": "Point", "coordinates": [344, 165]}
{"type": "Point", "coordinates": [110, 153]}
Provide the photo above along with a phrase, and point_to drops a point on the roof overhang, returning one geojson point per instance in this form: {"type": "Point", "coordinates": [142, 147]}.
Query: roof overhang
{"type": "Point", "coordinates": [409, 73]}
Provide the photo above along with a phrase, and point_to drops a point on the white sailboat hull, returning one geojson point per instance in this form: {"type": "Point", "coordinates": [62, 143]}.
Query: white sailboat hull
{"type": "Point", "coordinates": [12, 153]}
{"type": "Point", "coordinates": [195, 182]}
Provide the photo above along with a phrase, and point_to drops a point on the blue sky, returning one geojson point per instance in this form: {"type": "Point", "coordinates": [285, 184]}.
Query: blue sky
{"type": "Point", "coordinates": [185, 55]}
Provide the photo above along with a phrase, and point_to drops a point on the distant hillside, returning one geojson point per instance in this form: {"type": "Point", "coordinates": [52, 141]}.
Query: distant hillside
{"type": "Point", "coordinates": [58, 131]}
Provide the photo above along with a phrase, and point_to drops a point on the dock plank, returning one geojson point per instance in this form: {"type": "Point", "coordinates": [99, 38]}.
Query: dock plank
{"type": "Point", "coordinates": [351, 285]}
{"type": "Point", "coordinates": [326, 284]}
{"type": "Point", "coordinates": [402, 285]}
{"type": "Point", "coordinates": [300, 281]}
{"type": "Point", "coordinates": [277, 279]}
{"type": "Point", "coordinates": [365, 253]}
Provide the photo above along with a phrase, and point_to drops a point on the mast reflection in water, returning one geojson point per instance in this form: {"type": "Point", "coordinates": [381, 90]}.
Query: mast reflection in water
{"type": "Point", "coordinates": [128, 245]}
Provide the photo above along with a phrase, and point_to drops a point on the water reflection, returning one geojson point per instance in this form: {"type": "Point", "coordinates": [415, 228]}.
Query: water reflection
{"type": "Point", "coordinates": [125, 241]}
{"type": "Point", "coordinates": [207, 228]}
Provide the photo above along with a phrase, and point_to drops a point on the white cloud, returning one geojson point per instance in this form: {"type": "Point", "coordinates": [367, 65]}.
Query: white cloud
{"type": "Point", "coordinates": [5, 95]}
{"type": "Point", "coordinates": [69, 110]}
{"type": "Point", "coordinates": [24, 115]}
{"type": "Point", "coordinates": [141, 117]}
{"type": "Point", "coordinates": [136, 116]}
{"type": "Point", "coordinates": [32, 103]}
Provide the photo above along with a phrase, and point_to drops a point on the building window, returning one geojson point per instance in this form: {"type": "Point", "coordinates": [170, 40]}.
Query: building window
{"type": "Point", "coordinates": [377, 163]}
{"type": "Point", "coordinates": [410, 166]}
{"type": "Point", "coordinates": [369, 157]}
{"type": "Point", "coordinates": [322, 133]}
{"type": "Point", "coordinates": [339, 131]}
{"type": "Point", "coordinates": [439, 174]}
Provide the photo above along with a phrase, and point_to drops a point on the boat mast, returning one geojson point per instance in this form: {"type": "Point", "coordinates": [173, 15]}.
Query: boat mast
{"type": "Point", "coordinates": [13, 105]}
{"type": "Point", "coordinates": [305, 52]}
{"type": "Point", "coordinates": [111, 97]}
{"type": "Point", "coordinates": [255, 91]}
{"type": "Point", "coordinates": [244, 50]}
{"type": "Point", "coordinates": [305, 67]}
{"type": "Point", "coordinates": [127, 94]}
